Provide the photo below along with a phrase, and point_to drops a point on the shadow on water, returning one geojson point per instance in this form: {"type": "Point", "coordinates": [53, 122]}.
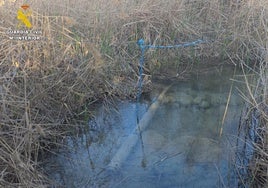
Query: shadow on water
{"type": "Point", "coordinates": [182, 146]}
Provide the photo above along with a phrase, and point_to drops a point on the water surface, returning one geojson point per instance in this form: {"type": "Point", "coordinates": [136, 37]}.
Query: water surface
{"type": "Point", "coordinates": [181, 146]}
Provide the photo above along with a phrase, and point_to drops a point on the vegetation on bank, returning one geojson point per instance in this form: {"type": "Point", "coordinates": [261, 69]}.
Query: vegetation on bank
{"type": "Point", "coordinates": [89, 53]}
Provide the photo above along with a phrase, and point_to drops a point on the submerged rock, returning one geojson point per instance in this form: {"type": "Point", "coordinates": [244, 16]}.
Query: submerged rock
{"type": "Point", "coordinates": [185, 100]}
{"type": "Point", "coordinates": [204, 104]}
{"type": "Point", "coordinates": [182, 98]}
{"type": "Point", "coordinates": [197, 100]}
{"type": "Point", "coordinates": [168, 99]}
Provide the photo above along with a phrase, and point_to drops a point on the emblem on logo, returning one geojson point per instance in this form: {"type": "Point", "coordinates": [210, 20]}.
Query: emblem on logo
{"type": "Point", "coordinates": [23, 14]}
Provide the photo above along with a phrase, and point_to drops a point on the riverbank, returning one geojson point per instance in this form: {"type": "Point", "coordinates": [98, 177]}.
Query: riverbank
{"type": "Point", "coordinates": [89, 54]}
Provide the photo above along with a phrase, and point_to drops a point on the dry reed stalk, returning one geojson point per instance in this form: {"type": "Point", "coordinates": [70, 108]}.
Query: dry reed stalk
{"type": "Point", "coordinates": [227, 104]}
{"type": "Point", "coordinates": [257, 112]}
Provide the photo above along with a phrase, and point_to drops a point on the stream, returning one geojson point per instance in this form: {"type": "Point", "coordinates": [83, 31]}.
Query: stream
{"type": "Point", "coordinates": [181, 145]}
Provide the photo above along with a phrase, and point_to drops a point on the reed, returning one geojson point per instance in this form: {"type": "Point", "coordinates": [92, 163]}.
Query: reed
{"type": "Point", "coordinates": [90, 54]}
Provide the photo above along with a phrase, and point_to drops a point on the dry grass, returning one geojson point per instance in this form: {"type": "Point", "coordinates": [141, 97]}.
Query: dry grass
{"type": "Point", "coordinates": [90, 54]}
{"type": "Point", "coordinates": [255, 124]}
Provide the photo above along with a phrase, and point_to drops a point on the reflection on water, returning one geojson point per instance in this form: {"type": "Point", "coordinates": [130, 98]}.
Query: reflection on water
{"type": "Point", "coordinates": [181, 146]}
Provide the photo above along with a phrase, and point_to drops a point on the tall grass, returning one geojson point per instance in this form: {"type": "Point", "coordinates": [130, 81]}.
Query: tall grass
{"type": "Point", "coordinates": [90, 54]}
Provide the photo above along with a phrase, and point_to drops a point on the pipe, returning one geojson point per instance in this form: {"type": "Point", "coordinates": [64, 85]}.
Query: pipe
{"type": "Point", "coordinates": [131, 141]}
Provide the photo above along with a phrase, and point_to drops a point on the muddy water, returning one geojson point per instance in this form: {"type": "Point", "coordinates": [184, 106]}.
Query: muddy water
{"type": "Point", "coordinates": [180, 147]}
